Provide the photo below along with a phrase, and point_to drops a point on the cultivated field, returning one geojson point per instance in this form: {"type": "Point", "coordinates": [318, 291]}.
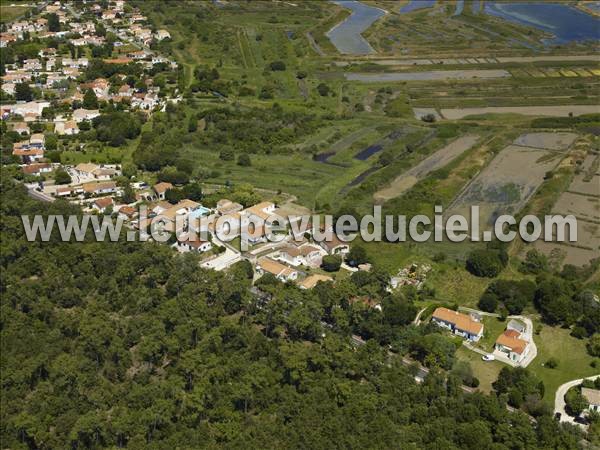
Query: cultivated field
{"type": "Point", "coordinates": [581, 206]}
{"type": "Point", "coordinates": [553, 111]}
{"type": "Point", "coordinates": [507, 183]}
{"type": "Point", "coordinates": [560, 254]}
{"type": "Point", "coordinates": [581, 186]}
{"type": "Point", "coordinates": [548, 141]}
{"type": "Point", "coordinates": [427, 76]}
{"type": "Point", "coordinates": [434, 162]}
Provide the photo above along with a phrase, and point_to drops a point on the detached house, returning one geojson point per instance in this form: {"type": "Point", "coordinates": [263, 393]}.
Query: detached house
{"type": "Point", "coordinates": [306, 255]}
{"type": "Point", "coordinates": [37, 168]}
{"type": "Point", "coordinates": [512, 345]}
{"type": "Point", "coordinates": [161, 189]}
{"type": "Point", "coordinates": [193, 245]}
{"type": "Point", "coordinates": [460, 324]}
{"type": "Point", "coordinates": [280, 271]}
{"type": "Point", "coordinates": [103, 187]}
{"type": "Point", "coordinates": [102, 203]}
{"type": "Point", "coordinates": [334, 245]}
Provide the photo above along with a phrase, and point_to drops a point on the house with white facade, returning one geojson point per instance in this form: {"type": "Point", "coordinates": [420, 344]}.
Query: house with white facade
{"type": "Point", "coordinates": [460, 324]}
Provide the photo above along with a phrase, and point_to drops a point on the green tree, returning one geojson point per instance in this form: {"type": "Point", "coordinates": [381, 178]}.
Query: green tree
{"type": "Point", "coordinates": [62, 177]}
{"type": "Point", "coordinates": [331, 263]}
{"type": "Point", "coordinates": [576, 403]}
{"type": "Point", "coordinates": [227, 154]}
{"type": "Point", "coordinates": [53, 22]}
{"type": "Point", "coordinates": [277, 66]}
{"type": "Point", "coordinates": [90, 101]}
{"type": "Point", "coordinates": [485, 263]}
{"type": "Point", "coordinates": [23, 92]}
{"type": "Point", "coordinates": [244, 160]}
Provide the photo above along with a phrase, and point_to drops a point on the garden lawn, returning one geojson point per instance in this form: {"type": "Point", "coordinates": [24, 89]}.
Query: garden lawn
{"type": "Point", "coordinates": [486, 371]}
{"type": "Point", "coordinates": [570, 353]}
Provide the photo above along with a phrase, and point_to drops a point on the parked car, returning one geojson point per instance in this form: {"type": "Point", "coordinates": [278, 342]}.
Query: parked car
{"type": "Point", "coordinates": [581, 420]}
{"type": "Point", "coordinates": [488, 357]}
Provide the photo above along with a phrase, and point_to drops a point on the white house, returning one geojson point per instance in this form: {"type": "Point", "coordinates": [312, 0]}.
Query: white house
{"type": "Point", "coordinates": [194, 245]}
{"type": "Point", "coordinates": [306, 255]}
{"type": "Point", "coordinates": [511, 344]}
{"type": "Point", "coordinates": [79, 115]}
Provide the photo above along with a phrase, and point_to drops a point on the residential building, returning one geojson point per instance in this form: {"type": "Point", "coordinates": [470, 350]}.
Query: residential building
{"type": "Point", "coordinates": [162, 34]}
{"type": "Point", "coordinates": [127, 212]}
{"type": "Point", "coordinates": [593, 398]}
{"type": "Point", "coordinates": [334, 246]}
{"type": "Point", "coordinates": [101, 204]}
{"type": "Point", "coordinates": [512, 345]}
{"type": "Point", "coordinates": [280, 271]}
{"type": "Point", "coordinates": [79, 115]}
{"type": "Point", "coordinates": [193, 245]}
{"type": "Point", "coordinates": [102, 187]}
{"type": "Point", "coordinates": [37, 168]}
{"type": "Point", "coordinates": [460, 324]}
{"type": "Point", "coordinates": [161, 189]}
{"type": "Point", "coordinates": [21, 128]}
{"type": "Point", "coordinates": [225, 206]}
{"type": "Point", "coordinates": [68, 127]}
{"type": "Point", "coordinates": [306, 255]}
{"type": "Point", "coordinates": [26, 153]}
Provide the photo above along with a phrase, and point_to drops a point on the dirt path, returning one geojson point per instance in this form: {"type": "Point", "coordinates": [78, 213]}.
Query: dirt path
{"type": "Point", "coordinates": [314, 45]}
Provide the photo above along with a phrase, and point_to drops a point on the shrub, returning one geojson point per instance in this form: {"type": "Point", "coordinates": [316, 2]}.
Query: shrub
{"type": "Point", "coordinates": [485, 263]}
{"type": "Point", "coordinates": [331, 263]}
{"type": "Point", "coordinates": [277, 66]}
{"type": "Point", "coordinates": [552, 363]}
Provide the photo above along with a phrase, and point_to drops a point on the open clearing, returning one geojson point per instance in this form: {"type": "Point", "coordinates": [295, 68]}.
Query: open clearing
{"type": "Point", "coordinates": [434, 162]}
{"type": "Point", "coordinates": [507, 183]}
{"type": "Point", "coordinates": [552, 111]}
{"type": "Point", "coordinates": [426, 76]}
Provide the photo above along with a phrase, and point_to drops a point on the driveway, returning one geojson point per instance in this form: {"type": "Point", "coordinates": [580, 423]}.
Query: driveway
{"type": "Point", "coordinates": [559, 399]}
{"type": "Point", "coordinates": [528, 334]}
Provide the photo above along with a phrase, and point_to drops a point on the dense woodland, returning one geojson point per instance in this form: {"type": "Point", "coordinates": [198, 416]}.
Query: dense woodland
{"type": "Point", "coordinates": [127, 345]}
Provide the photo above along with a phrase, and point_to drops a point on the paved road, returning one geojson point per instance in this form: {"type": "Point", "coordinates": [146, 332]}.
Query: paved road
{"type": "Point", "coordinates": [40, 196]}
{"type": "Point", "coordinates": [559, 399]}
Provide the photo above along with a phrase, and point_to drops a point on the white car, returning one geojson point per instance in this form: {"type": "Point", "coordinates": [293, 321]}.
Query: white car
{"type": "Point", "coordinates": [488, 357]}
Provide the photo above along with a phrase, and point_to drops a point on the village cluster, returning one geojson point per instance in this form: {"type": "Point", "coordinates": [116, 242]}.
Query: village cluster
{"type": "Point", "coordinates": [49, 90]}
